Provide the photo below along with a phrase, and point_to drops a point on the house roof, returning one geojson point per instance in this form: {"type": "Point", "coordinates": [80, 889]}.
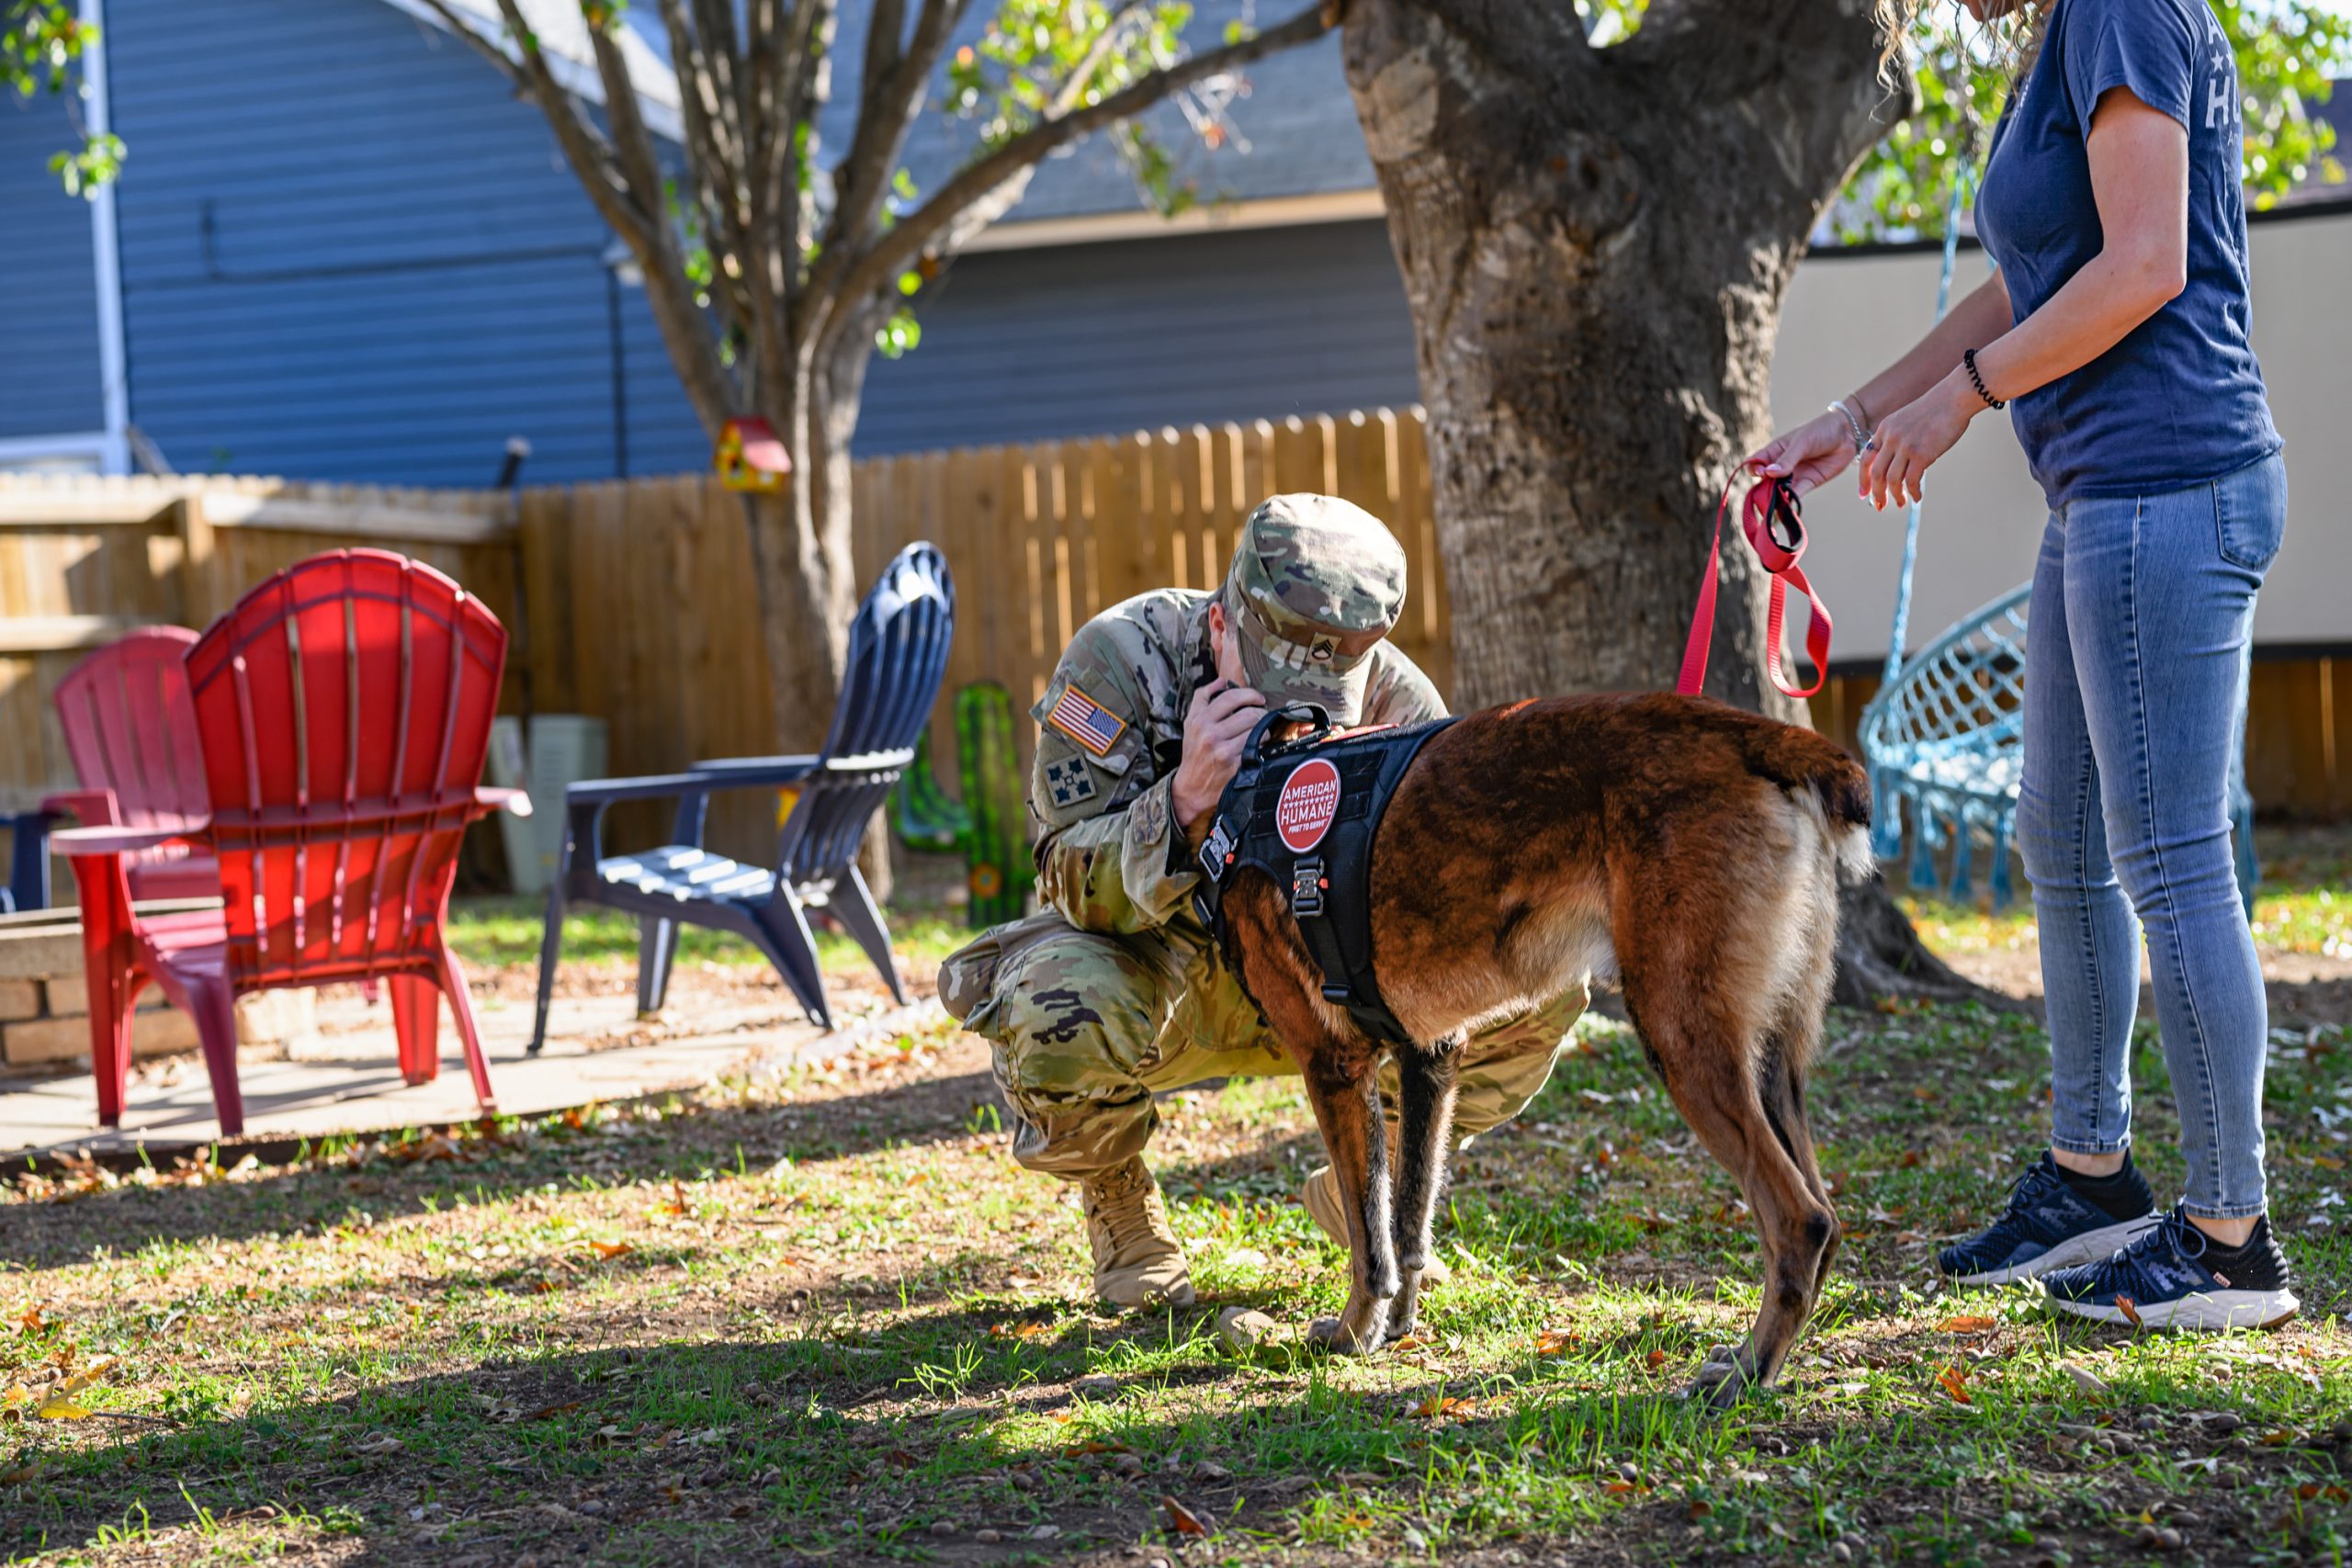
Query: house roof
{"type": "Point", "coordinates": [562, 33]}
{"type": "Point", "coordinates": [1288, 140]}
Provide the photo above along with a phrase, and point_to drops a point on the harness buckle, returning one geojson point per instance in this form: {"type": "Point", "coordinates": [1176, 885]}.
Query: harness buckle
{"type": "Point", "coordinates": [1307, 884]}
{"type": "Point", "coordinates": [1215, 851]}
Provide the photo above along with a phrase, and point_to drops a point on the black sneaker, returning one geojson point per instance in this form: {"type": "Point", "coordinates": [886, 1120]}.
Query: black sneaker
{"type": "Point", "coordinates": [2047, 1226]}
{"type": "Point", "coordinates": [2177, 1277]}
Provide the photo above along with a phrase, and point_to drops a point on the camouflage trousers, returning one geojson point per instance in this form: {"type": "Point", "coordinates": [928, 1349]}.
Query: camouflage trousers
{"type": "Point", "coordinates": [1087, 1027]}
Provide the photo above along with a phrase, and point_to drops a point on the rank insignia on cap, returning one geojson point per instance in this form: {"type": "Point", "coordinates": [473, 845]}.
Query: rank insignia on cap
{"type": "Point", "coordinates": [1086, 721]}
{"type": "Point", "coordinates": [1323, 649]}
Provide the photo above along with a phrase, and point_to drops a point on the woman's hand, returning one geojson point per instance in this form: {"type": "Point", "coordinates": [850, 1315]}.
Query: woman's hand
{"type": "Point", "coordinates": [1812, 453]}
{"type": "Point", "coordinates": [1911, 438]}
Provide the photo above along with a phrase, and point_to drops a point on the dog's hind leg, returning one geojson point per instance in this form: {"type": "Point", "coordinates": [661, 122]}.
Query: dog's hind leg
{"type": "Point", "coordinates": [1427, 1079]}
{"type": "Point", "coordinates": [1779, 1082]}
{"type": "Point", "coordinates": [1710, 1062]}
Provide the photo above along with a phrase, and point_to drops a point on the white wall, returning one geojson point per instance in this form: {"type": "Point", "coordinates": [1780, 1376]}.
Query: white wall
{"type": "Point", "coordinates": [1978, 533]}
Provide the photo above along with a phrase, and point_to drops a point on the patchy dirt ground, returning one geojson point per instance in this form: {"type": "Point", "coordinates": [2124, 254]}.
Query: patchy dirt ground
{"type": "Point", "coordinates": [820, 1316]}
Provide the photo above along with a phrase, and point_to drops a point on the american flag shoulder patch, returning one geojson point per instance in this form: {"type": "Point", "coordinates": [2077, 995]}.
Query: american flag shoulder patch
{"type": "Point", "coordinates": [1086, 721]}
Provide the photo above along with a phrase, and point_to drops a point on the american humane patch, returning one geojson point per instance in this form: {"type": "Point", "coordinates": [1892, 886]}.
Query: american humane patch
{"type": "Point", "coordinates": [1068, 781]}
{"type": "Point", "coordinates": [1310, 798]}
{"type": "Point", "coordinates": [1086, 721]}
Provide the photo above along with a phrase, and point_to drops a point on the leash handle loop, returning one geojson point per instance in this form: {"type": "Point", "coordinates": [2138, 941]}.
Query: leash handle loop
{"type": "Point", "coordinates": [1774, 525]}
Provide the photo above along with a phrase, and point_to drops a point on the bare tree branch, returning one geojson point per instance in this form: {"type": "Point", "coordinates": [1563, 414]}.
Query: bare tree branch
{"type": "Point", "coordinates": [886, 115]}
{"type": "Point", "coordinates": [631, 202]}
{"type": "Point", "coordinates": [481, 46]}
{"type": "Point", "coordinates": [713, 146]}
{"type": "Point", "coordinates": [990, 183]}
{"type": "Point", "coordinates": [584, 146]}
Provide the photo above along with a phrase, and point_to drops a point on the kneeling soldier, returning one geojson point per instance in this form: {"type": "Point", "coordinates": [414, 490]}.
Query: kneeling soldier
{"type": "Point", "coordinates": [1113, 991]}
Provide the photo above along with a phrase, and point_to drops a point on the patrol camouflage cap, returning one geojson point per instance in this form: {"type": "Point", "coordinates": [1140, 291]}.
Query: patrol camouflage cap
{"type": "Point", "coordinates": [1315, 584]}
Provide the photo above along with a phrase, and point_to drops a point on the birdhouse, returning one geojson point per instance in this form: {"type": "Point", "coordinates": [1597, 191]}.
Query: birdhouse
{"type": "Point", "coordinates": [750, 457]}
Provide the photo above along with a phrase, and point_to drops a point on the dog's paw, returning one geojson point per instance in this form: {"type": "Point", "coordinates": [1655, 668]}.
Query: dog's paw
{"type": "Point", "coordinates": [1334, 1334]}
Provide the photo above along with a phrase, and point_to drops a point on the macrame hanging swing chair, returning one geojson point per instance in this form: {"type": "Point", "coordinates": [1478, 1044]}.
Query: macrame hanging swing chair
{"type": "Point", "coordinates": [1944, 736]}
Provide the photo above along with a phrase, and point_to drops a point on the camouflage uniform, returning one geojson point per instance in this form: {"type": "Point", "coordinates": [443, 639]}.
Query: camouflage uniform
{"type": "Point", "coordinates": [1113, 991]}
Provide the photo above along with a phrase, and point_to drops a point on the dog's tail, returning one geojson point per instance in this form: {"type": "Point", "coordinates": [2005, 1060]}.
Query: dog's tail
{"type": "Point", "coordinates": [1803, 761]}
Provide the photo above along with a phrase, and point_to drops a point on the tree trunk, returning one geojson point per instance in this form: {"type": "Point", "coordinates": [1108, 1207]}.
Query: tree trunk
{"type": "Point", "coordinates": [1596, 244]}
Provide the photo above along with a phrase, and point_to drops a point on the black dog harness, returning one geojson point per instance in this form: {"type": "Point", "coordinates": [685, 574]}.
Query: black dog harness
{"type": "Point", "coordinates": [1306, 813]}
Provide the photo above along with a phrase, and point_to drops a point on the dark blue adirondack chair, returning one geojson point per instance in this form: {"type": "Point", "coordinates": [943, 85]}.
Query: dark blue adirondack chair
{"type": "Point", "coordinates": [898, 654]}
{"type": "Point", "coordinates": [27, 885]}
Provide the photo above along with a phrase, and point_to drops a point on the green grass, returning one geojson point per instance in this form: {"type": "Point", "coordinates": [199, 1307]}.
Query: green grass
{"type": "Point", "coordinates": [817, 1316]}
{"type": "Point", "coordinates": [497, 932]}
{"type": "Point", "coordinates": [2303, 905]}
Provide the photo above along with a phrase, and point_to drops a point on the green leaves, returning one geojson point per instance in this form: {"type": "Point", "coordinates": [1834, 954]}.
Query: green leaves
{"type": "Point", "coordinates": [2285, 51]}
{"type": "Point", "coordinates": [1038, 54]}
{"type": "Point", "coordinates": [898, 335]}
{"type": "Point", "coordinates": [41, 42]}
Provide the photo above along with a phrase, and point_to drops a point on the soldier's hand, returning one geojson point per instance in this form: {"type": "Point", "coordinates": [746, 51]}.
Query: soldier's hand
{"type": "Point", "coordinates": [1214, 729]}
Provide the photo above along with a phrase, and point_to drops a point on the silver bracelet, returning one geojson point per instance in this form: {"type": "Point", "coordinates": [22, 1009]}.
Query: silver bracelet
{"type": "Point", "coordinates": [1853, 425]}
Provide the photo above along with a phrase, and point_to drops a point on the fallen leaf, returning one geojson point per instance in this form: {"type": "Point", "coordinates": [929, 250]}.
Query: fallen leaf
{"type": "Point", "coordinates": [1437, 1404]}
{"type": "Point", "coordinates": [2090, 1381]}
{"type": "Point", "coordinates": [1183, 1520]}
{"type": "Point", "coordinates": [1955, 1383]}
{"type": "Point", "coordinates": [609, 1249]}
{"type": "Point", "coordinates": [30, 1321]}
{"type": "Point", "coordinates": [89, 1375]}
{"type": "Point", "coordinates": [1655, 1358]}
{"type": "Point", "coordinates": [1967, 1324]}
{"type": "Point", "coordinates": [1410, 1342]}
{"type": "Point", "coordinates": [59, 1406]}
{"type": "Point", "coordinates": [1021, 1331]}
{"type": "Point", "coordinates": [2129, 1310]}
{"type": "Point", "coordinates": [1553, 1341]}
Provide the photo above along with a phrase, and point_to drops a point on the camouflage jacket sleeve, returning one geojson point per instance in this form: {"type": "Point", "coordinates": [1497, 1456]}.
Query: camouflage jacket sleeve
{"type": "Point", "coordinates": [1398, 693]}
{"type": "Point", "coordinates": [1105, 829]}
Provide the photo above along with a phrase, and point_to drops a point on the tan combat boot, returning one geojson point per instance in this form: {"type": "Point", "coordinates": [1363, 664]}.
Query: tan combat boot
{"type": "Point", "coordinates": [1321, 1196]}
{"type": "Point", "coordinates": [1136, 1261]}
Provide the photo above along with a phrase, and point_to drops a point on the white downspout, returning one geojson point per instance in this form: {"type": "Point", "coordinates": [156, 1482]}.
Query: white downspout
{"type": "Point", "coordinates": [107, 258]}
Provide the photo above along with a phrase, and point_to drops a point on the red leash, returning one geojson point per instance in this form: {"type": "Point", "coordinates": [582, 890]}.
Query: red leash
{"type": "Point", "coordinates": [1775, 531]}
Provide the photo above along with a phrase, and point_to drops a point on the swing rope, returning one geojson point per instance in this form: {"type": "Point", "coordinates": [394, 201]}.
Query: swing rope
{"type": "Point", "coordinates": [1959, 186]}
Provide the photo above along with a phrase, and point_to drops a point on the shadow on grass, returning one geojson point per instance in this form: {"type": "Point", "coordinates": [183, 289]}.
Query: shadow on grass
{"type": "Point", "coordinates": [762, 1450]}
{"type": "Point", "coordinates": [1020, 1419]}
{"type": "Point", "coordinates": [314, 1197]}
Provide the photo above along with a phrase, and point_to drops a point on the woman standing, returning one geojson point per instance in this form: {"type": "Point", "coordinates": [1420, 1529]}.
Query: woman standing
{"type": "Point", "coordinates": [2117, 328]}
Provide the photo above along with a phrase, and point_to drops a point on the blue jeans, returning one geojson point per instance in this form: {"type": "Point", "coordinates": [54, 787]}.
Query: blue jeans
{"type": "Point", "coordinates": [2142, 609]}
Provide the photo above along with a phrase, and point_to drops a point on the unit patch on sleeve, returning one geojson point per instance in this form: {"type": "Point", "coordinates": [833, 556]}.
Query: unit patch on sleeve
{"type": "Point", "coordinates": [1086, 721]}
{"type": "Point", "coordinates": [1070, 781]}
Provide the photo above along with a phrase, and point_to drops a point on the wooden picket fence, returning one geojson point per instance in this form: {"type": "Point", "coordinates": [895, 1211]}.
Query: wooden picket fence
{"type": "Point", "coordinates": [636, 600]}
{"type": "Point", "coordinates": [640, 605]}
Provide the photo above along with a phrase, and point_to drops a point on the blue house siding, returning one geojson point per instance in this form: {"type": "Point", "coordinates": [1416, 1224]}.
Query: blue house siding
{"type": "Point", "coordinates": [1084, 340]}
{"type": "Point", "coordinates": [349, 253]}
{"type": "Point", "coordinates": [49, 346]}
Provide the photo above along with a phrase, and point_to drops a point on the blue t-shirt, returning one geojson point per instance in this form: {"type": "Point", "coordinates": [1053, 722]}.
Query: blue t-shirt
{"type": "Point", "coordinates": [2180, 400]}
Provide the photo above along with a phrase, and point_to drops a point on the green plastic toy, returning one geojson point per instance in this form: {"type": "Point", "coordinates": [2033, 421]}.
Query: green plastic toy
{"type": "Point", "coordinates": [986, 826]}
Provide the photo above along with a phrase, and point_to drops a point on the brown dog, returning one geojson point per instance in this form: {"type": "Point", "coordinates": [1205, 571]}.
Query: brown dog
{"type": "Point", "coordinates": [1689, 849]}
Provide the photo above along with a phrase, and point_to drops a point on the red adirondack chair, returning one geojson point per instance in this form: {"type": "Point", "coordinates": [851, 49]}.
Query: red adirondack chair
{"type": "Point", "coordinates": [344, 708]}
{"type": "Point", "coordinates": [130, 730]}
